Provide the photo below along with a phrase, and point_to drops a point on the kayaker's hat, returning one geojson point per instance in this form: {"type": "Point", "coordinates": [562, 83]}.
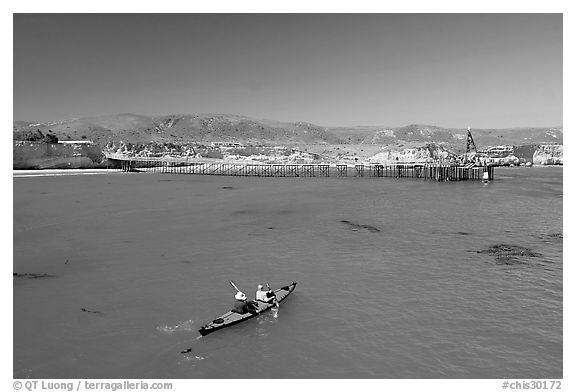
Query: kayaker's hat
{"type": "Point", "coordinates": [240, 295]}
{"type": "Point", "coordinates": [260, 287]}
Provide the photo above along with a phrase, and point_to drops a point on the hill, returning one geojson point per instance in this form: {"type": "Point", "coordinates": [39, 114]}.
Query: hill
{"type": "Point", "coordinates": [452, 138]}
{"type": "Point", "coordinates": [206, 128]}
{"type": "Point", "coordinates": [200, 128]}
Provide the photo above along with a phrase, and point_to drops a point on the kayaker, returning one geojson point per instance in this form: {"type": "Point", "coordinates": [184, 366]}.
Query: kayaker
{"type": "Point", "coordinates": [267, 296]}
{"type": "Point", "coordinates": [261, 294]}
{"type": "Point", "coordinates": [242, 306]}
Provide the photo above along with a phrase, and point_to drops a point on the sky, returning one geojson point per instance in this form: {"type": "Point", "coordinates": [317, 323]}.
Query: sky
{"type": "Point", "coordinates": [453, 70]}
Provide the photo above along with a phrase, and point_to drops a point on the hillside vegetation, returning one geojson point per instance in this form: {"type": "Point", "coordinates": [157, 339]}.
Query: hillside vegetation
{"type": "Point", "coordinates": [206, 128]}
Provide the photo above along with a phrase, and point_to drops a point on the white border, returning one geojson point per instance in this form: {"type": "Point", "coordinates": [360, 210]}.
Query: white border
{"type": "Point", "coordinates": [302, 6]}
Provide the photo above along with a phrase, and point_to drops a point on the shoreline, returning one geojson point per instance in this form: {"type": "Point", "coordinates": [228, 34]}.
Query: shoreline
{"type": "Point", "coordinates": [19, 173]}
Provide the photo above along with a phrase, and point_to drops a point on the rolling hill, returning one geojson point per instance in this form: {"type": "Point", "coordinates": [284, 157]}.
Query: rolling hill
{"type": "Point", "coordinates": [206, 128]}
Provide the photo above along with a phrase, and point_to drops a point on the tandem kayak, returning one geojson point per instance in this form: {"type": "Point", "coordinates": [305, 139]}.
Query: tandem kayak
{"type": "Point", "coordinates": [231, 318]}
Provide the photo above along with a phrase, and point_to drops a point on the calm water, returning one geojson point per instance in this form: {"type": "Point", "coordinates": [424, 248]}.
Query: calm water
{"type": "Point", "coordinates": [154, 252]}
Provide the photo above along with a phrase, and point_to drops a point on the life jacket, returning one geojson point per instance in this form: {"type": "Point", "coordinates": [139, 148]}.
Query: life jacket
{"type": "Point", "coordinates": [242, 307]}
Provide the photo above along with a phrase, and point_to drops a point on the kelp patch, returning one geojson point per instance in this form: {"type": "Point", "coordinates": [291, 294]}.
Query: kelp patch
{"type": "Point", "coordinates": [357, 227]}
{"type": "Point", "coordinates": [32, 275]}
{"type": "Point", "coordinates": [510, 254]}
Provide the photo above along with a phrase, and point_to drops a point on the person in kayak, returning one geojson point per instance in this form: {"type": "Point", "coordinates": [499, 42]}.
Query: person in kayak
{"type": "Point", "coordinates": [242, 306]}
{"type": "Point", "coordinates": [267, 296]}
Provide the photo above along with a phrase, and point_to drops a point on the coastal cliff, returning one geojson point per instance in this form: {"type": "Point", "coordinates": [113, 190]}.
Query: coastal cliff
{"type": "Point", "coordinates": [425, 154]}
{"type": "Point", "coordinates": [42, 155]}
{"type": "Point", "coordinates": [549, 155]}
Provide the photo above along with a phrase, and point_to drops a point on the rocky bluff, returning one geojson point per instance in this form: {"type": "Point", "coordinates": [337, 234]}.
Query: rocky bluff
{"type": "Point", "coordinates": [549, 155]}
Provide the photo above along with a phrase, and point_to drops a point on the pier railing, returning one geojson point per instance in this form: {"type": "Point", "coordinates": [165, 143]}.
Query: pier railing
{"type": "Point", "coordinates": [438, 172]}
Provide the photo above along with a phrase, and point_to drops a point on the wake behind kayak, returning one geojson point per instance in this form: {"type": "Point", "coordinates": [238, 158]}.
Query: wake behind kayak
{"type": "Point", "coordinates": [231, 318]}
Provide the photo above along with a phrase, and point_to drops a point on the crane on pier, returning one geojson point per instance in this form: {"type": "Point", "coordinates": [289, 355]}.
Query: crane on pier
{"type": "Point", "coordinates": [470, 146]}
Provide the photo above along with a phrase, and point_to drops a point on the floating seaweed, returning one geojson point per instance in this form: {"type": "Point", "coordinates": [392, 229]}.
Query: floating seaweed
{"type": "Point", "coordinates": [550, 238]}
{"type": "Point", "coordinates": [357, 226]}
{"type": "Point", "coordinates": [32, 275]}
{"type": "Point", "coordinates": [91, 311]}
{"type": "Point", "coordinates": [556, 235]}
{"type": "Point", "coordinates": [510, 254]}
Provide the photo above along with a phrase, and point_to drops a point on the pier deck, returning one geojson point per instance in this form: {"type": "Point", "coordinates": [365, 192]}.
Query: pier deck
{"type": "Point", "coordinates": [438, 172]}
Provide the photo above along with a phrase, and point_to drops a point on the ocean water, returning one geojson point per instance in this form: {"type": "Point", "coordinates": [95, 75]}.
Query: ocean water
{"type": "Point", "coordinates": [390, 281]}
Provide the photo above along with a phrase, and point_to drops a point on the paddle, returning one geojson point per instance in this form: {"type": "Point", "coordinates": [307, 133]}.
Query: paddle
{"type": "Point", "coordinates": [236, 287]}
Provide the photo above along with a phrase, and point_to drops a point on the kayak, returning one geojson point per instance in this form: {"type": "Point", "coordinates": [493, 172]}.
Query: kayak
{"type": "Point", "coordinates": [230, 318]}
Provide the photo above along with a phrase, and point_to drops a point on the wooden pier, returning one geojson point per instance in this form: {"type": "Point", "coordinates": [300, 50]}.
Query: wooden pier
{"type": "Point", "coordinates": [436, 172]}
